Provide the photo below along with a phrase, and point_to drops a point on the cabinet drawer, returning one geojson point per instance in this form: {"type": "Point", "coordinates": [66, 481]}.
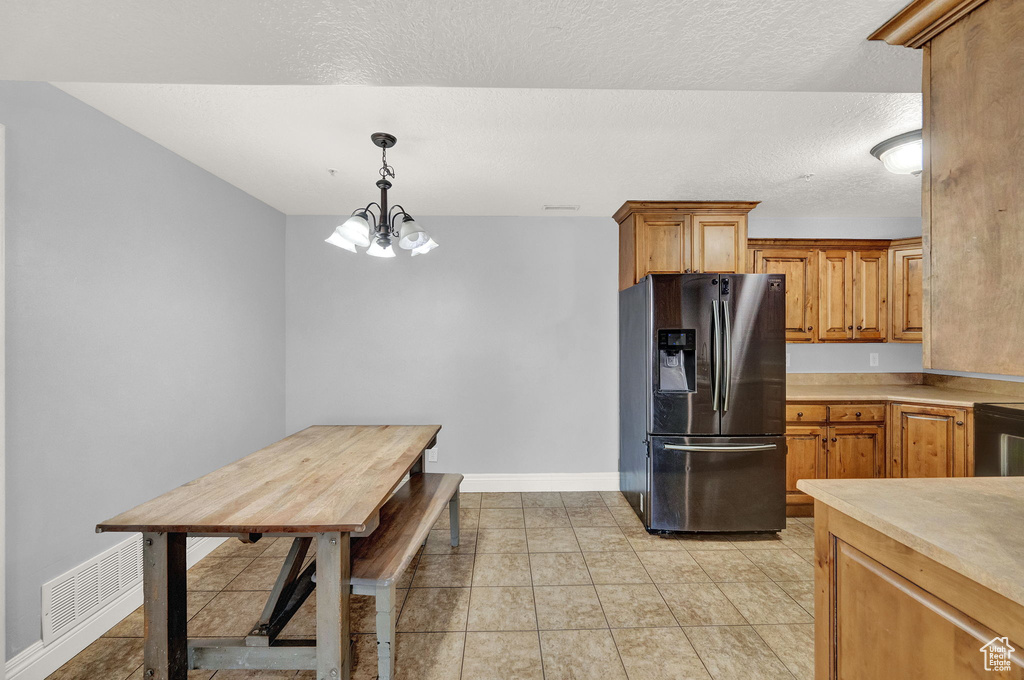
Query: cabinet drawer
{"type": "Point", "coordinates": [805, 413]}
{"type": "Point", "coordinates": [856, 413]}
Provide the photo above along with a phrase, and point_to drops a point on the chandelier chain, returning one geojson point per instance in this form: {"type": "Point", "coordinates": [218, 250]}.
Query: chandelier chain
{"type": "Point", "coordinates": [385, 170]}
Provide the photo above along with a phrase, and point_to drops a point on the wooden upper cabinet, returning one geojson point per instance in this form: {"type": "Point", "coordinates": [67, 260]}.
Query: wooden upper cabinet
{"type": "Point", "coordinates": [835, 302]}
{"type": "Point", "coordinates": [929, 441]}
{"type": "Point", "coordinates": [720, 243]}
{"type": "Point", "coordinates": [906, 293]}
{"type": "Point", "coordinates": [799, 265]}
{"type": "Point", "coordinates": [870, 292]}
{"type": "Point", "coordinates": [666, 245]}
{"type": "Point", "coordinates": [680, 237]}
{"type": "Point", "coordinates": [855, 452]}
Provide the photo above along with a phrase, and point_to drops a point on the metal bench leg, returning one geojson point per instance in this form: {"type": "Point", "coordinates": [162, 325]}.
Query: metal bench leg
{"type": "Point", "coordinates": [387, 617]}
{"type": "Point", "coordinates": [453, 515]}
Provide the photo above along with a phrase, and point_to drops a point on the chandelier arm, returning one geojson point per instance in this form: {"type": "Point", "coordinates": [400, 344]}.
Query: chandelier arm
{"type": "Point", "coordinates": [393, 214]}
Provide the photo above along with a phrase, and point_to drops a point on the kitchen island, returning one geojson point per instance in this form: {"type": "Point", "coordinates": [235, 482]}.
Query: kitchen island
{"type": "Point", "coordinates": [918, 578]}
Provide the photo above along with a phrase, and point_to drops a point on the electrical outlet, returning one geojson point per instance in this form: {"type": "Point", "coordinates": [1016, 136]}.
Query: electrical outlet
{"type": "Point", "coordinates": [432, 455]}
{"type": "Point", "coordinates": [873, 358]}
{"type": "Point", "coordinates": [787, 359]}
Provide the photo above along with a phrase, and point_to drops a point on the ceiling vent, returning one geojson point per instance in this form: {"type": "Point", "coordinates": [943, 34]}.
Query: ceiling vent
{"type": "Point", "coordinates": [561, 208]}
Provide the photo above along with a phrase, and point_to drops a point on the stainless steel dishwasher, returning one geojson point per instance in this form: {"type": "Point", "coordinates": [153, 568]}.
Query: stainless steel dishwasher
{"type": "Point", "coordinates": [999, 439]}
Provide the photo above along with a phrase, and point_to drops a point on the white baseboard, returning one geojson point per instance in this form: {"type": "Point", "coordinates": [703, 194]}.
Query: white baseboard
{"type": "Point", "coordinates": [554, 481]}
{"type": "Point", "coordinates": [39, 660]}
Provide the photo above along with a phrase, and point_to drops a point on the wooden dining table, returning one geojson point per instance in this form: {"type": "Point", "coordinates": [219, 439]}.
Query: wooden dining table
{"type": "Point", "coordinates": [324, 483]}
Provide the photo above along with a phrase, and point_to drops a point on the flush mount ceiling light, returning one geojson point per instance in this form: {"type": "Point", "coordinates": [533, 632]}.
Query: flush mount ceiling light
{"type": "Point", "coordinates": [377, 236]}
{"type": "Point", "coordinates": [902, 154]}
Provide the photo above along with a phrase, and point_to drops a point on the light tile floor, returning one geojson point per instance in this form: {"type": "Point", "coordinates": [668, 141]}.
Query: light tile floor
{"type": "Point", "coordinates": [543, 585]}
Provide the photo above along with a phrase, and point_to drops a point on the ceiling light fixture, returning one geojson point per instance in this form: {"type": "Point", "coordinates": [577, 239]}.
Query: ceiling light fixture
{"type": "Point", "coordinates": [902, 154]}
{"type": "Point", "coordinates": [377, 236]}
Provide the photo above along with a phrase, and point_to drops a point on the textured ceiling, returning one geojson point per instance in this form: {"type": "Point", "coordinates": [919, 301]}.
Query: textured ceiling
{"type": "Point", "coordinates": [480, 151]}
{"type": "Point", "coordinates": [782, 45]}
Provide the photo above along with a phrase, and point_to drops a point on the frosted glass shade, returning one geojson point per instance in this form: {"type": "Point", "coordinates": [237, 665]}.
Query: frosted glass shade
{"type": "Point", "coordinates": [902, 154]}
{"type": "Point", "coordinates": [411, 235]}
{"type": "Point", "coordinates": [425, 248]}
{"type": "Point", "coordinates": [337, 239]}
{"type": "Point", "coordinates": [356, 230]}
{"type": "Point", "coordinates": [379, 251]}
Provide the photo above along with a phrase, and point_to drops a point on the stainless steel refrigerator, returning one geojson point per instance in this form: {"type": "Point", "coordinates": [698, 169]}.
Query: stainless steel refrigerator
{"type": "Point", "coordinates": [702, 393]}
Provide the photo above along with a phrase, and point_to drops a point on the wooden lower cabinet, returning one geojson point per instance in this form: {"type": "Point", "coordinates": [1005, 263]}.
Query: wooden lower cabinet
{"type": "Point", "coordinates": [929, 441]}
{"type": "Point", "coordinates": [858, 440]}
{"type": "Point", "coordinates": [883, 610]}
{"type": "Point", "coordinates": [855, 452]}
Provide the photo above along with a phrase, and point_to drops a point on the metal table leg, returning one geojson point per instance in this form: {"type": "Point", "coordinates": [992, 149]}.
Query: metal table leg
{"type": "Point", "coordinates": [163, 577]}
{"type": "Point", "coordinates": [333, 571]}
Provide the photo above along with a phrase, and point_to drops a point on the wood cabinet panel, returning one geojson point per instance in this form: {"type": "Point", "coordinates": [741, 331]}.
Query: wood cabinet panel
{"type": "Point", "coordinates": [907, 295]}
{"type": "Point", "coordinates": [800, 267]}
{"type": "Point", "coordinates": [806, 413]}
{"type": "Point", "coordinates": [720, 243]}
{"type": "Point", "coordinates": [680, 237]}
{"type": "Point", "coordinates": [870, 292]}
{"type": "Point", "coordinates": [835, 298]}
{"type": "Point", "coordinates": [888, 627]}
{"type": "Point", "coordinates": [856, 413]}
{"type": "Point", "coordinates": [805, 455]}
{"type": "Point", "coordinates": [928, 441]}
{"type": "Point", "coordinates": [855, 451]}
{"type": "Point", "coordinates": [666, 245]}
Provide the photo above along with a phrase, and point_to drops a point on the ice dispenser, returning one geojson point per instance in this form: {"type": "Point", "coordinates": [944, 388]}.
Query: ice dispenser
{"type": "Point", "coordinates": [676, 360]}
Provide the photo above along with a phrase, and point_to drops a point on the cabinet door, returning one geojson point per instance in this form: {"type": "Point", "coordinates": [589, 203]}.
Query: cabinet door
{"type": "Point", "coordinates": [800, 268]}
{"type": "Point", "coordinates": [805, 454]}
{"type": "Point", "coordinates": [907, 299]}
{"type": "Point", "coordinates": [928, 441]}
{"type": "Point", "coordinates": [663, 245]}
{"type": "Point", "coordinates": [870, 290]}
{"type": "Point", "coordinates": [855, 451]}
{"type": "Point", "coordinates": [720, 243]}
{"type": "Point", "coordinates": [835, 295]}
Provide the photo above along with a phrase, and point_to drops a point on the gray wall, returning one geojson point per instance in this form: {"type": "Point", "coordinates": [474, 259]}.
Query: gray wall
{"type": "Point", "coordinates": [145, 340]}
{"type": "Point", "coordinates": [506, 335]}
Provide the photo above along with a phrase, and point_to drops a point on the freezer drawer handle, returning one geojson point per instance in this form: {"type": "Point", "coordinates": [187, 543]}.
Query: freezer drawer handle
{"type": "Point", "coordinates": [749, 447]}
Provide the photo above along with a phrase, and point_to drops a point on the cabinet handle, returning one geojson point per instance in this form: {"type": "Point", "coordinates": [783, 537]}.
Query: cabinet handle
{"type": "Point", "coordinates": [857, 414]}
{"type": "Point", "coordinates": [810, 328]}
{"type": "Point", "coordinates": [860, 328]}
{"type": "Point", "coordinates": [850, 328]}
{"type": "Point", "coordinates": [833, 438]}
{"type": "Point", "coordinates": [799, 414]}
{"type": "Point", "coordinates": [959, 422]}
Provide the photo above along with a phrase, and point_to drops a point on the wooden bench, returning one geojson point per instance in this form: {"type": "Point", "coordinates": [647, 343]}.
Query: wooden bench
{"type": "Point", "coordinates": [380, 559]}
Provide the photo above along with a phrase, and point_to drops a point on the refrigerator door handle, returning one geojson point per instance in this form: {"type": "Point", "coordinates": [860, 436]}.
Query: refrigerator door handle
{"type": "Point", "coordinates": [726, 356]}
{"type": "Point", "coordinates": [716, 363]}
{"type": "Point", "coordinates": [747, 447]}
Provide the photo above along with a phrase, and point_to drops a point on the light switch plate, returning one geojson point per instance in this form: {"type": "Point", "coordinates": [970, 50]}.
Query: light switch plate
{"type": "Point", "coordinates": [432, 455]}
{"type": "Point", "coordinates": [787, 359]}
{"type": "Point", "coordinates": [873, 358]}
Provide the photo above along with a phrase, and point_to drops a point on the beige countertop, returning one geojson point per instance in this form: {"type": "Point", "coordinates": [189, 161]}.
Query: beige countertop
{"type": "Point", "coordinates": [970, 524]}
{"type": "Point", "coordinates": [922, 394]}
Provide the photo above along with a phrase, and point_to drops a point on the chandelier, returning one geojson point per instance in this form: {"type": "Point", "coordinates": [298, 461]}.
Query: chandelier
{"type": "Point", "coordinates": [377, 231]}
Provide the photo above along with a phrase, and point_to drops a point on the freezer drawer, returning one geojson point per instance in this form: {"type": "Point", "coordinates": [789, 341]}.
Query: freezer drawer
{"type": "Point", "coordinates": [718, 484]}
